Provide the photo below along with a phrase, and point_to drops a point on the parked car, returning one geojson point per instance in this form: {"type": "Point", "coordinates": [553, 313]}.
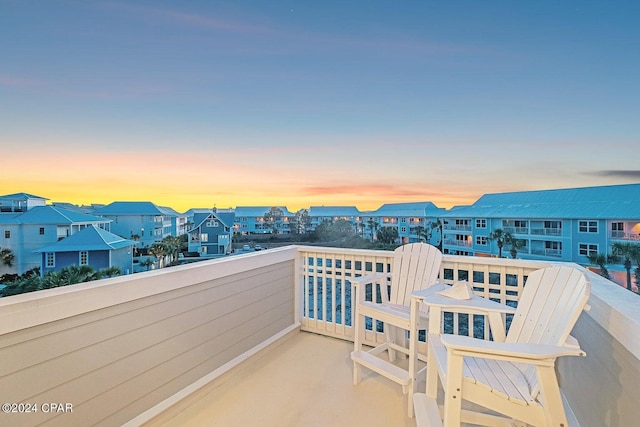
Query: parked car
{"type": "Point", "coordinates": [246, 248]}
{"type": "Point", "coordinates": [258, 248]}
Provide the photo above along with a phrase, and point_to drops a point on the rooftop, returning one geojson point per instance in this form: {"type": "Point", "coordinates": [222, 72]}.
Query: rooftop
{"type": "Point", "coordinates": [264, 339]}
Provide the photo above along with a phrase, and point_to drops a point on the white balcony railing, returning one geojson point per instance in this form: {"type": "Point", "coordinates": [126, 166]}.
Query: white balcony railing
{"type": "Point", "coordinates": [122, 350]}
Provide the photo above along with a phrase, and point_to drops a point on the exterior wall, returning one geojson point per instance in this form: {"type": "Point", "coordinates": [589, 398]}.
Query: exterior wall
{"type": "Point", "coordinates": [118, 347]}
{"type": "Point", "coordinates": [602, 388]}
{"type": "Point", "coordinates": [96, 259]}
{"type": "Point", "coordinates": [145, 226]}
{"type": "Point", "coordinates": [123, 259]}
{"type": "Point", "coordinates": [24, 240]}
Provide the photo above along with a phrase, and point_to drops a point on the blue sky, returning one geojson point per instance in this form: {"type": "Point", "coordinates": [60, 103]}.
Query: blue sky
{"type": "Point", "coordinates": [300, 103]}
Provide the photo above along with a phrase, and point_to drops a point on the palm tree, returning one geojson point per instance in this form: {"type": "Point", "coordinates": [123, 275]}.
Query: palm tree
{"type": "Point", "coordinates": [500, 237]}
{"type": "Point", "coordinates": [420, 232]}
{"type": "Point", "coordinates": [600, 260]}
{"type": "Point", "coordinates": [373, 226]}
{"type": "Point", "coordinates": [109, 272]}
{"type": "Point", "coordinates": [146, 263]}
{"type": "Point", "coordinates": [159, 251]}
{"type": "Point", "coordinates": [514, 243]}
{"type": "Point", "coordinates": [6, 256]}
{"type": "Point", "coordinates": [628, 251]}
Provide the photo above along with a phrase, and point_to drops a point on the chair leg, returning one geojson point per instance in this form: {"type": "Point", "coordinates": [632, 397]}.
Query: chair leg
{"type": "Point", "coordinates": [432, 372]}
{"type": "Point", "coordinates": [358, 336]}
{"type": "Point", "coordinates": [553, 408]}
{"type": "Point", "coordinates": [453, 391]}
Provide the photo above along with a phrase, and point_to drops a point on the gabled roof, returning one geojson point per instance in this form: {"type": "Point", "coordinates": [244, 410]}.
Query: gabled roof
{"type": "Point", "coordinates": [334, 211]}
{"type": "Point", "coordinates": [54, 215]}
{"type": "Point", "coordinates": [226, 218]}
{"type": "Point", "coordinates": [606, 202]}
{"type": "Point", "coordinates": [258, 211]}
{"type": "Point", "coordinates": [91, 238]}
{"type": "Point", "coordinates": [130, 208]}
{"type": "Point", "coordinates": [21, 196]}
{"type": "Point", "coordinates": [412, 209]}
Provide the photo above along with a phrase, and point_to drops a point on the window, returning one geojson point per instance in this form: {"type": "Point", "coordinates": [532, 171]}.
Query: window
{"type": "Point", "coordinates": [7, 234]}
{"type": "Point", "coordinates": [617, 226]}
{"type": "Point", "coordinates": [520, 224]}
{"type": "Point", "coordinates": [84, 257]}
{"type": "Point", "coordinates": [553, 224]}
{"type": "Point", "coordinates": [481, 240]}
{"type": "Point", "coordinates": [588, 226]}
{"type": "Point", "coordinates": [204, 237]}
{"type": "Point", "coordinates": [481, 223]}
{"type": "Point", "coordinates": [403, 229]}
{"type": "Point", "coordinates": [42, 231]}
{"type": "Point", "coordinates": [587, 249]}
{"type": "Point", "coordinates": [212, 223]}
{"type": "Point", "coordinates": [51, 259]}
{"type": "Point", "coordinates": [403, 219]}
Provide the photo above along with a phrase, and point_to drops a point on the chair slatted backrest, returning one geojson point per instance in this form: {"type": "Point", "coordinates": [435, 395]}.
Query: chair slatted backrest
{"type": "Point", "coordinates": [415, 266]}
{"type": "Point", "coordinates": [549, 307]}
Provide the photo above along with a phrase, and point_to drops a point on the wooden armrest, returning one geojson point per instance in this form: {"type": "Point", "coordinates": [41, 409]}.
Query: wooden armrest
{"type": "Point", "coordinates": [375, 278]}
{"type": "Point", "coordinates": [369, 278]}
{"type": "Point", "coordinates": [476, 305]}
{"type": "Point", "coordinates": [518, 352]}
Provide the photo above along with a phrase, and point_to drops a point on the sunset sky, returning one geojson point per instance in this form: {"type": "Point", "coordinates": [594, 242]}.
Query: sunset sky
{"type": "Point", "coordinates": [299, 103]}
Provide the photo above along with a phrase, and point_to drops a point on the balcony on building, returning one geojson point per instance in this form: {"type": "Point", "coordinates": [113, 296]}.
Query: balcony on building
{"type": "Point", "coordinates": [264, 338]}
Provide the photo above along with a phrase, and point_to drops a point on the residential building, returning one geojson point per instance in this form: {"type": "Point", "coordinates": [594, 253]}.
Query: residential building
{"type": "Point", "coordinates": [34, 226]}
{"type": "Point", "coordinates": [561, 224]}
{"type": "Point", "coordinates": [212, 232]}
{"type": "Point", "coordinates": [142, 221]}
{"type": "Point", "coordinates": [20, 202]}
{"type": "Point", "coordinates": [318, 214]}
{"type": "Point", "coordinates": [250, 220]}
{"type": "Point", "coordinates": [92, 246]}
{"type": "Point", "coordinates": [413, 221]}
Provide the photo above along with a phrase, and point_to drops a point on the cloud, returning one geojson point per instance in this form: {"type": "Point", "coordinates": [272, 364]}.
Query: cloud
{"type": "Point", "coordinates": [361, 189]}
{"type": "Point", "coordinates": [14, 81]}
{"type": "Point", "coordinates": [174, 17]}
{"type": "Point", "coordinates": [633, 174]}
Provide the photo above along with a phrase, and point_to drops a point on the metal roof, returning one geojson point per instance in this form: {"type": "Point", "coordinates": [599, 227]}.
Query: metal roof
{"type": "Point", "coordinates": [91, 238]}
{"type": "Point", "coordinates": [259, 211]}
{"type": "Point", "coordinates": [411, 209]}
{"type": "Point", "coordinates": [54, 215]}
{"type": "Point", "coordinates": [21, 196]}
{"type": "Point", "coordinates": [606, 202]}
{"type": "Point", "coordinates": [334, 211]}
{"type": "Point", "coordinates": [131, 208]}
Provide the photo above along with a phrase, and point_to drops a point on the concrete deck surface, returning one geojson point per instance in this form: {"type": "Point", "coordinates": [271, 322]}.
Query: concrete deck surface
{"type": "Point", "coordinates": [306, 380]}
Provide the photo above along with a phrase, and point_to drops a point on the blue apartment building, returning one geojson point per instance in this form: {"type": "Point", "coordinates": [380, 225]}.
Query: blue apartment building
{"type": "Point", "coordinates": [318, 214]}
{"type": "Point", "coordinates": [142, 221]}
{"type": "Point", "coordinates": [407, 218]}
{"type": "Point", "coordinates": [250, 220]}
{"type": "Point", "coordinates": [561, 225]}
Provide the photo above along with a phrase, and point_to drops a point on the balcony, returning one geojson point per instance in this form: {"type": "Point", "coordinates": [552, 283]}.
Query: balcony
{"type": "Point", "coordinates": [264, 339]}
{"type": "Point", "coordinates": [621, 235]}
{"type": "Point", "coordinates": [547, 231]}
{"type": "Point", "coordinates": [457, 227]}
{"type": "Point", "coordinates": [456, 242]}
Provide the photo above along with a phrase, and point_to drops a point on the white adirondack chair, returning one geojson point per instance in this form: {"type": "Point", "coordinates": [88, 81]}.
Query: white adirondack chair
{"type": "Point", "coordinates": [415, 266]}
{"type": "Point", "coordinates": [516, 377]}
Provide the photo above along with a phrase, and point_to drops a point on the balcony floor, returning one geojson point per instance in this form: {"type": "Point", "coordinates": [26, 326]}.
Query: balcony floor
{"type": "Point", "coordinates": [304, 380]}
